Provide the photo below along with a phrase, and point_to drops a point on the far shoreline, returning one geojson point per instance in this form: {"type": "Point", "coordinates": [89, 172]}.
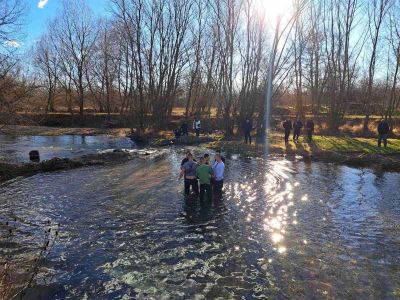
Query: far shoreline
{"type": "Point", "coordinates": [365, 157]}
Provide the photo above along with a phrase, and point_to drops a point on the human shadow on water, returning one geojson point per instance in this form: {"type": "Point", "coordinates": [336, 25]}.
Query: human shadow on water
{"type": "Point", "coordinates": [200, 213]}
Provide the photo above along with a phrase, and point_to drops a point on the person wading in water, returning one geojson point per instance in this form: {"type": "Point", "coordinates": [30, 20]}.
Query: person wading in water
{"type": "Point", "coordinates": [204, 173]}
{"type": "Point", "coordinates": [188, 170]}
{"type": "Point", "coordinates": [186, 159]}
{"type": "Point", "coordinates": [218, 169]}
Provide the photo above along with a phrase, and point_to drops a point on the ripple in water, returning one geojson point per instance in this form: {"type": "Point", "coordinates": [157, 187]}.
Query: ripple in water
{"type": "Point", "coordinates": [285, 229]}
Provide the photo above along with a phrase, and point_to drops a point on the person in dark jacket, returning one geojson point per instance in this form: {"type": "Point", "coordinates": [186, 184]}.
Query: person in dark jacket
{"type": "Point", "coordinates": [248, 127]}
{"type": "Point", "coordinates": [310, 129]}
{"type": "Point", "coordinates": [188, 171]}
{"type": "Point", "coordinates": [206, 158]}
{"type": "Point", "coordinates": [287, 125]}
{"type": "Point", "coordinates": [383, 131]}
{"type": "Point", "coordinates": [184, 128]}
{"type": "Point", "coordinates": [186, 159]}
{"type": "Point", "coordinates": [297, 126]}
{"type": "Point", "coordinates": [177, 133]}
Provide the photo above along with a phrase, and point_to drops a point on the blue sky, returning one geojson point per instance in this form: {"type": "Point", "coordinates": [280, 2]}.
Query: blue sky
{"type": "Point", "coordinates": [38, 18]}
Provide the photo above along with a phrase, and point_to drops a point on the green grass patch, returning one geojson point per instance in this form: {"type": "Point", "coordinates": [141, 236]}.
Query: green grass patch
{"type": "Point", "coordinates": [341, 144]}
{"type": "Point", "coordinates": [349, 144]}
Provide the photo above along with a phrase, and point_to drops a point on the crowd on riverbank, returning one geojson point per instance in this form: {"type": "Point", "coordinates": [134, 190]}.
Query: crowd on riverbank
{"type": "Point", "coordinates": [383, 130]}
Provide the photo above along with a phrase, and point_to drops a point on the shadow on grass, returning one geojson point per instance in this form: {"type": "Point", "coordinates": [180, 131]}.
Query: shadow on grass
{"type": "Point", "coordinates": [361, 146]}
{"type": "Point", "coordinates": [289, 148]}
{"type": "Point", "coordinates": [368, 147]}
{"type": "Point", "coordinates": [330, 144]}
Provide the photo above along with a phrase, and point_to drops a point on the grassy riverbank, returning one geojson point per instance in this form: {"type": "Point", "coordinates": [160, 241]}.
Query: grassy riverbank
{"type": "Point", "coordinates": [356, 151]}
{"type": "Point", "coordinates": [341, 144]}
{"type": "Point", "coordinates": [360, 152]}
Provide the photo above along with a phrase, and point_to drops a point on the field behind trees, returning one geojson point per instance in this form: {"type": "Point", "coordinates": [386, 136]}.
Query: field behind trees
{"type": "Point", "coordinates": [151, 64]}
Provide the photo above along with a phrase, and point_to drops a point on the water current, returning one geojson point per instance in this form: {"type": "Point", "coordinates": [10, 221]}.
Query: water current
{"type": "Point", "coordinates": [285, 229]}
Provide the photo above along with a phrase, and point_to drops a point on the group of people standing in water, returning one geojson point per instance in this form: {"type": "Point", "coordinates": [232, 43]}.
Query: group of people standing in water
{"type": "Point", "coordinates": [210, 175]}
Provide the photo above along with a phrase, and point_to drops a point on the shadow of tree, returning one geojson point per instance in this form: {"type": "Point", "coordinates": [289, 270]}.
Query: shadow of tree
{"type": "Point", "coordinates": [364, 146]}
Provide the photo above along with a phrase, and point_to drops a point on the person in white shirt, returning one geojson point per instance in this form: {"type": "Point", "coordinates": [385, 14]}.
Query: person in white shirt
{"type": "Point", "coordinates": [197, 126]}
{"type": "Point", "coordinates": [219, 169]}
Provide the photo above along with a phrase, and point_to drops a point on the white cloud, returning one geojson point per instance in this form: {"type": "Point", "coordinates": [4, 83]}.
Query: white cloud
{"type": "Point", "coordinates": [42, 3]}
{"type": "Point", "coordinates": [12, 43]}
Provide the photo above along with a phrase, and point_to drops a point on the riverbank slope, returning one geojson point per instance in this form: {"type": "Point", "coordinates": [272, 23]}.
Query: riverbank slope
{"type": "Point", "coordinates": [354, 151]}
{"type": "Point", "coordinates": [341, 149]}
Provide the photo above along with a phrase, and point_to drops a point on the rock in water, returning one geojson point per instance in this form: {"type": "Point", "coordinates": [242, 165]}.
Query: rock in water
{"type": "Point", "coordinates": [141, 141]}
{"type": "Point", "coordinates": [34, 155]}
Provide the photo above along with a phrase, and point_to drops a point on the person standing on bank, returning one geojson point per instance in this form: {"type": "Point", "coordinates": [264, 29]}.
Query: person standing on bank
{"type": "Point", "coordinates": [218, 169]}
{"type": "Point", "coordinates": [287, 125]}
{"type": "Point", "coordinates": [383, 131]}
{"type": "Point", "coordinates": [204, 173]}
{"type": "Point", "coordinates": [297, 126]}
{"type": "Point", "coordinates": [248, 127]}
{"type": "Point", "coordinates": [197, 126]}
{"type": "Point", "coordinates": [184, 128]}
{"type": "Point", "coordinates": [310, 129]}
{"type": "Point", "coordinates": [188, 170]}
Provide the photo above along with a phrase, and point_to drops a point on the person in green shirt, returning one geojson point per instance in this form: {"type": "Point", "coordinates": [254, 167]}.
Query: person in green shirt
{"type": "Point", "coordinates": [204, 173]}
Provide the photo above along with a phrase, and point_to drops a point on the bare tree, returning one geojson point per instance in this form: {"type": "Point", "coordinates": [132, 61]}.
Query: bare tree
{"type": "Point", "coordinates": [11, 19]}
{"type": "Point", "coordinates": [46, 62]}
{"type": "Point", "coordinates": [376, 13]}
{"type": "Point", "coordinates": [394, 39]}
{"type": "Point", "coordinates": [14, 86]}
{"type": "Point", "coordinates": [74, 33]}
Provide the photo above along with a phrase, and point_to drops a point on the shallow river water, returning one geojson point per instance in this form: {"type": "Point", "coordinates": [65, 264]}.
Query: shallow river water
{"type": "Point", "coordinates": [16, 148]}
{"type": "Point", "coordinates": [285, 229]}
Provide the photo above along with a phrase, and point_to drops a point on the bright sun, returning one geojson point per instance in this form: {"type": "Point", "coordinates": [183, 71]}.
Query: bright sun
{"type": "Point", "coordinates": [272, 9]}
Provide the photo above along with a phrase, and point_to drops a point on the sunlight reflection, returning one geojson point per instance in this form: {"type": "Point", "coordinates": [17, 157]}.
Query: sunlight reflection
{"type": "Point", "coordinates": [276, 237]}
{"type": "Point", "coordinates": [282, 250]}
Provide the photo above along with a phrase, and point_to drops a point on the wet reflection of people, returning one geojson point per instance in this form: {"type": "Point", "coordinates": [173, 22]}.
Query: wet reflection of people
{"type": "Point", "coordinates": [201, 211]}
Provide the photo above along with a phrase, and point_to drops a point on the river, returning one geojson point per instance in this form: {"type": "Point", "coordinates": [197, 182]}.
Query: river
{"type": "Point", "coordinates": [15, 148]}
{"type": "Point", "coordinates": [285, 229]}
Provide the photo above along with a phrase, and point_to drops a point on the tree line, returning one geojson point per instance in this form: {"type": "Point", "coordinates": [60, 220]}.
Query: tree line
{"type": "Point", "coordinates": [149, 56]}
